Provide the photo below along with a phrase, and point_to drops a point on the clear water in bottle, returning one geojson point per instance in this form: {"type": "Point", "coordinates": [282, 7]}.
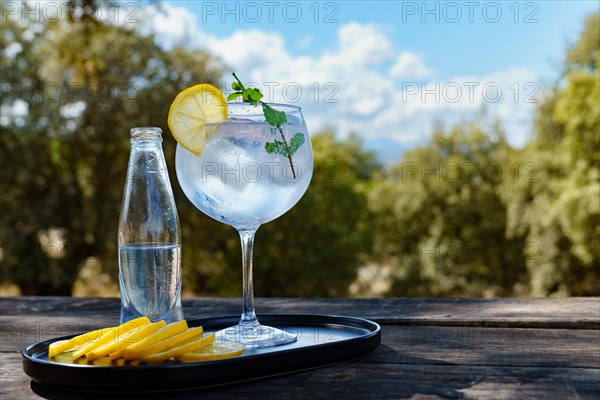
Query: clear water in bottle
{"type": "Point", "coordinates": [150, 280]}
{"type": "Point", "coordinates": [149, 235]}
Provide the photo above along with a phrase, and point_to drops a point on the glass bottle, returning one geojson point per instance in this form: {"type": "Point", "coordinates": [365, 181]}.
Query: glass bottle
{"type": "Point", "coordinates": [149, 235]}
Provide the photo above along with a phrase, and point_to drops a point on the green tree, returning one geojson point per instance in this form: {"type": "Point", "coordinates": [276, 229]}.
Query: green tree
{"type": "Point", "coordinates": [83, 84]}
{"type": "Point", "coordinates": [71, 91]}
{"type": "Point", "coordinates": [558, 210]}
{"type": "Point", "coordinates": [440, 219]}
{"type": "Point", "coordinates": [585, 53]}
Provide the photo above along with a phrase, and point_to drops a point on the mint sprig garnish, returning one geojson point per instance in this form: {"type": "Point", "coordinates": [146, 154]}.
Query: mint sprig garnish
{"type": "Point", "coordinates": [274, 117]}
{"type": "Point", "coordinates": [296, 141]}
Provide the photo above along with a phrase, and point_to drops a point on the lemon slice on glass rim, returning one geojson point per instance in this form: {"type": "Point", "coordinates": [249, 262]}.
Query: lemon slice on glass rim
{"type": "Point", "coordinates": [191, 110]}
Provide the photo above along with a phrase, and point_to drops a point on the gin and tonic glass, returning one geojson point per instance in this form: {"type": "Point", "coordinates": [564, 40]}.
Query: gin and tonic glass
{"type": "Point", "coordinates": [240, 179]}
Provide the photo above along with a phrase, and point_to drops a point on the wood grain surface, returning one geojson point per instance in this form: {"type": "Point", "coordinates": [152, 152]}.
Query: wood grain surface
{"type": "Point", "coordinates": [431, 348]}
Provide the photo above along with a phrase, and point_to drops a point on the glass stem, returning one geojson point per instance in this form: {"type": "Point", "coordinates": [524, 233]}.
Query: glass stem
{"type": "Point", "coordinates": [247, 238]}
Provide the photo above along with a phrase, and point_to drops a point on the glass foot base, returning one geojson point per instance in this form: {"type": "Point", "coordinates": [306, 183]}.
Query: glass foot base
{"type": "Point", "coordinates": [256, 335]}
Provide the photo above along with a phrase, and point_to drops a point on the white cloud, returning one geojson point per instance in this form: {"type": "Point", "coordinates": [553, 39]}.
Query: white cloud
{"type": "Point", "coordinates": [363, 44]}
{"type": "Point", "coordinates": [304, 42]}
{"type": "Point", "coordinates": [352, 87]}
{"type": "Point", "coordinates": [253, 47]}
{"type": "Point", "coordinates": [499, 96]}
{"type": "Point", "coordinates": [173, 26]}
{"type": "Point", "coordinates": [410, 65]}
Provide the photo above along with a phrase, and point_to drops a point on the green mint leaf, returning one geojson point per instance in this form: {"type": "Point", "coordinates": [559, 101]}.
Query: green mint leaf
{"type": "Point", "coordinates": [246, 97]}
{"type": "Point", "coordinates": [296, 141]}
{"type": "Point", "coordinates": [279, 147]}
{"type": "Point", "coordinates": [255, 94]}
{"type": "Point", "coordinates": [251, 95]}
{"type": "Point", "coordinates": [239, 85]}
{"type": "Point", "coordinates": [274, 117]}
{"type": "Point", "coordinates": [276, 147]}
{"type": "Point", "coordinates": [233, 96]}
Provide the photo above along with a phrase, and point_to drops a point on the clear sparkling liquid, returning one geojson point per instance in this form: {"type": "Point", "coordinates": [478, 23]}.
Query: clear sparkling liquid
{"type": "Point", "coordinates": [149, 279]}
{"type": "Point", "coordinates": [237, 182]}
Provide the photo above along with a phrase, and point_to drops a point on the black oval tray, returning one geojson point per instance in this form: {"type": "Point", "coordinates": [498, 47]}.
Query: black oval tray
{"type": "Point", "coordinates": [322, 340]}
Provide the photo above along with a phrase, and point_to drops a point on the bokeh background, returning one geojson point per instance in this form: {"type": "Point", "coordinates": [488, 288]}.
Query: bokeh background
{"type": "Point", "coordinates": [413, 194]}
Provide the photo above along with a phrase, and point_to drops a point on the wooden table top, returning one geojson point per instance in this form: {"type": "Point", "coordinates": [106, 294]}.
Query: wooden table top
{"type": "Point", "coordinates": [431, 348]}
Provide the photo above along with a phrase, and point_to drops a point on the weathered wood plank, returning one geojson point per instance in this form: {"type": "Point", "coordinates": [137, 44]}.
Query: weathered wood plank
{"type": "Point", "coordinates": [425, 352]}
{"type": "Point", "coordinates": [582, 313]}
{"type": "Point", "coordinates": [404, 344]}
{"type": "Point", "coordinates": [359, 380]}
{"type": "Point", "coordinates": [473, 346]}
{"type": "Point", "coordinates": [18, 332]}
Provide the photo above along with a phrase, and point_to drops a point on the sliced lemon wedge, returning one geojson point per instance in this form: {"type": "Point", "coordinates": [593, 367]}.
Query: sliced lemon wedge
{"type": "Point", "coordinates": [191, 110]}
{"type": "Point", "coordinates": [125, 339]}
{"type": "Point", "coordinates": [193, 343]}
{"type": "Point", "coordinates": [215, 351]}
{"type": "Point", "coordinates": [169, 343]}
{"type": "Point", "coordinates": [61, 346]}
{"type": "Point", "coordinates": [110, 335]}
{"type": "Point", "coordinates": [131, 352]}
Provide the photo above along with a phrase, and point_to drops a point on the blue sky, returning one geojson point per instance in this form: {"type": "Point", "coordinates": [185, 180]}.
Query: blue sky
{"type": "Point", "coordinates": [537, 39]}
{"type": "Point", "coordinates": [386, 70]}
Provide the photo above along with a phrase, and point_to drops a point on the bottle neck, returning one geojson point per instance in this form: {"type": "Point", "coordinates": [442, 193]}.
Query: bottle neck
{"type": "Point", "coordinates": [146, 153]}
{"type": "Point", "coordinates": [148, 213]}
{"type": "Point", "coordinates": [146, 135]}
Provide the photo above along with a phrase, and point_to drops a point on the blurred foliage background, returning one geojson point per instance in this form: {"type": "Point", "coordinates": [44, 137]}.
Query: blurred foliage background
{"type": "Point", "coordinates": [465, 214]}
